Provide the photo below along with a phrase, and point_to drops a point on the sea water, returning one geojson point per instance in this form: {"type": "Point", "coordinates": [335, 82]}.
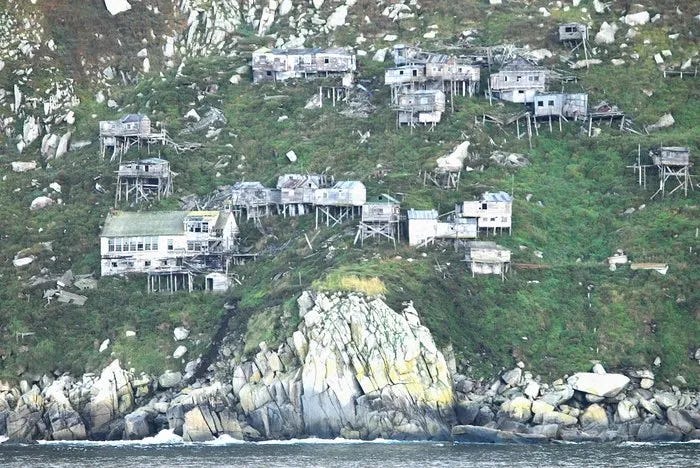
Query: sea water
{"type": "Point", "coordinates": [167, 449]}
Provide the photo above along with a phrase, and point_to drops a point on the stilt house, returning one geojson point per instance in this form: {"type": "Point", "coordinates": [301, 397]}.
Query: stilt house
{"type": "Point", "coordinates": [144, 180]}
{"type": "Point", "coordinates": [425, 226]}
{"type": "Point", "coordinates": [518, 81]}
{"type": "Point", "coordinates": [380, 218]}
{"type": "Point", "coordinates": [420, 107]}
{"type": "Point", "coordinates": [167, 245]}
{"type": "Point", "coordinates": [253, 199]}
{"type": "Point", "coordinates": [573, 32]}
{"type": "Point", "coordinates": [567, 105]}
{"type": "Point", "coordinates": [283, 64]}
{"type": "Point", "coordinates": [492, 212]}
{"type": "Point", "coordinates": [487, 258]}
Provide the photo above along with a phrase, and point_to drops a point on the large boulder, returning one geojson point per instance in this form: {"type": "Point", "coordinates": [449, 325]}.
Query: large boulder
{"type": "Point", "coordinates": [559, 395]}
{"type": "Point", "coordinates": [112, 397]}
{"type": "Point", "coordinates": [626, 411]}
{"type": "Point", "coordinates": [594, 415]}
{"type": "Point", "coordinates": [606, 34]}
{"type": "Point", "coordinates": [25, 422]}
{"type": "Point", "coordinates": [63, 422]}
{"type": "Point", "coordinates": [139, 424]}
{"type": "Point", "coordinates": [680, 419]}
{"type": "Point", "coordinates": [602, 385]}
{"type": "Point", "coordinates": [655, 432]}
{"type": "Point", "coordinates": [518, 409]}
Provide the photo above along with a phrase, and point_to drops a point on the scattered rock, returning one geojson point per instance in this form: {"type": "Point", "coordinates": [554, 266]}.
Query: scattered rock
{"type": "Point", "coordinates": [40, 202]}
{"type": "Point", "coordinates": [604, 385]}
{"type": "Point", "coordinates": [606, 34]}
{"type": "Point", "coordinates": [117, 6]}
{"type": "Point", "coordinates": [181, 333]}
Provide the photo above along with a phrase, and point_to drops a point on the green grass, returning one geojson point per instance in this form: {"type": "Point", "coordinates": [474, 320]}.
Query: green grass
{"type": "Point", "coordinates": [579, 190]}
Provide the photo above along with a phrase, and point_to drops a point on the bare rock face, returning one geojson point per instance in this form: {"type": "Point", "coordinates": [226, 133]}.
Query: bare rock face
{"type": "Point", "coordinates": [355, 365]}
{"type": "Point", "coordinates": [25, 422]}
{"type": "Point", "coordinates": [112, 397]}
{"type": "Point", "coordinates": [64, 422]}
{"type": "Point", "coordinates": [117, 6]}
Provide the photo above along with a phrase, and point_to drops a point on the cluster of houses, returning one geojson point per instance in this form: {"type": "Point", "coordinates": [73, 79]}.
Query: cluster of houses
{"type": "Point", "coordinates": [175, 248]}
{"type": "Point", "coordinates": [186, 250]}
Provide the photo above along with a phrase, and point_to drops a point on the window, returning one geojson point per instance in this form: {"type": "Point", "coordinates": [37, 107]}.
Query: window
{"type": "Point", "coordinates": [483, 206]}
{"type": "Point", "coordinates": [326, 61]}
{"type": "Point", "coordinates": [415, 72]}
{"type": "Point", "coordinates": [536, 78]}
{"type": "Point", "coordinates": [401, 72]}
{"type": "Point", "coordinates": [504, 219]}
{"type": "Point", "coordinates": [114, 264]}
{"type": "Point", "coordinates": [139, 246]}
{"type": "Point", "coordinates": [540, 103]}
{"type": "Point", "coordinates": [520, 91]}
{"type": "Point", "coordinates": [110, 245]}
{"type": "Point", "coordinates": [505, 78]}
{"type": "Point", "coordinates": [550, 102]}
{"type": "Point", "coordinates": [147, 263]}
{"type": "Point", "coordinates": [517, 78]}
{"type": "Point", "coordinates": [170, 244]}
{"type": "Point", "coordinates": [269, 73]}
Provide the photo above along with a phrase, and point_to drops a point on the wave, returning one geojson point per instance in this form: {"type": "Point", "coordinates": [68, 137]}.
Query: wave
{"type": "Point", "coordinates": [3, 439]}
{"type": "Point", "coordinates": [168, 437]}
{"type": "Point", "coordinates": [646, 444]}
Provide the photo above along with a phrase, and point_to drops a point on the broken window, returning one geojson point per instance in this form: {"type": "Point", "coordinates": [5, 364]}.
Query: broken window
{"type": "Point", "coordinates": [114, 264]}
{"type": "Point", "coordinates": [517, 78]}
{"type": "Point", "coordinates": [147, 263]}
{"type": "Point", "coordinates": [520, 91]}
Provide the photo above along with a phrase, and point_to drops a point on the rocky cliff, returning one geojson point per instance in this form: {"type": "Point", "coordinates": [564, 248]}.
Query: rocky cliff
{"type": "Point", "coordinates": [354, 368]}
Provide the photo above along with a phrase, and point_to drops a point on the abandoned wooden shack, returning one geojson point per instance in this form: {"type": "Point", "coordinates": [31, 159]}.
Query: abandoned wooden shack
{"type": "Point", "coordinates": [425, 226]}
{"type": "Point", "coordinates": [252, 199]}
{"type": "Point", "coordinates": [487, 258]}
{"type": "Point", "coordinates": [605, 112]}
{"type": "Point", "coordinates": [380, 218]}
{"type": "Point", "coordinates": [573, 32]}
{"type": "Point", "coordinates": [297, 192]}
{"type": "Point", "coordinates": [420, 107]}
{"type": "Point", "coordinates": [143, 180]}
{"type": "Point", "coordinates": [673, 164]}
{"type": "Point", "coordinates": [171, 247]}
{"type": "Point", "coordinates": [284, 64]}
{"type": "Point", "coordinates": [561, 105]}
{"type": "Point", "coordinates": [518, 81]}
{"type": "Point", "coordinates": [131, 130]}
{"type": "Point", "coordinates": [420, 70]}
{"type": "Point", "coordinates": [340, 202]}
{"type": "Point", "coordinates": [493, 211]}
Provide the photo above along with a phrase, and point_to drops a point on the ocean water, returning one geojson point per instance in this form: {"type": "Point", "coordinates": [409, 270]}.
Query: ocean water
{"type": "Point", "coordinates": [167, 450]}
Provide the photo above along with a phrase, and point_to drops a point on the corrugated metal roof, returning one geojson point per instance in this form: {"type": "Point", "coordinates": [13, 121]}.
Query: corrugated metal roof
{"type": "Point", "coordinates": [496, 197]}
{"type": "Point", "coordinates": [149, 161]}
{"type": "Point", "coordinates": [153, 223]}
{"type": "Point", "coordinates": [520, 63]}
{"type": "Point", "coordinates": [422, 214]}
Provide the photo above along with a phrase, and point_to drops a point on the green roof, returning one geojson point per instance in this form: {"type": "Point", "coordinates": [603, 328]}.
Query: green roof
{"type": "Point", "coordinates": [154, 223]}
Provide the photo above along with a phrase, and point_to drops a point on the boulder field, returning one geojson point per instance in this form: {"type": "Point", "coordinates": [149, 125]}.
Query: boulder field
{"type": "Point", "coordinates": [356, 369]}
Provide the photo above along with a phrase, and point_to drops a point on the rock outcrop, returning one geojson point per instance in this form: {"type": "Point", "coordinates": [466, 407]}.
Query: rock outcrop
{"type": "Point", "coordinates": [353, 368]}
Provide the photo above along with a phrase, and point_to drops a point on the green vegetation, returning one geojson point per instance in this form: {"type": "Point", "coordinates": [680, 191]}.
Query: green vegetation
{"type": "Point", "coordinates": [555, 318]}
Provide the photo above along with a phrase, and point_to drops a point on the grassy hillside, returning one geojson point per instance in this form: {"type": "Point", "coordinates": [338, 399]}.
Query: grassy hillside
{"type": "Point", "coordinates": [556, 318]}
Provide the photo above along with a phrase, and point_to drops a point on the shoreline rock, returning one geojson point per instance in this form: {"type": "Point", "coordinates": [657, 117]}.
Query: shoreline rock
{"type": "Point", "coordinates": [355, 369]}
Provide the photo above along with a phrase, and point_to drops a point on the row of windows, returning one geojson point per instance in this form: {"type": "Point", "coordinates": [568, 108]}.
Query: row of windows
{"type": "Point", "coordinates": [198, 226]}
{"type": "Point", "coordinates": [196, 246]}
{"type": "Point", "coordinates": [518, 78]}
{"type": "Point", "coordinates": [133, 244]}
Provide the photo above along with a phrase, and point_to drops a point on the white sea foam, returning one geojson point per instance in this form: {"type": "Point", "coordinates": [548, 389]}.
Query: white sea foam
{"type": "Point", "coordinates": [3, 439]}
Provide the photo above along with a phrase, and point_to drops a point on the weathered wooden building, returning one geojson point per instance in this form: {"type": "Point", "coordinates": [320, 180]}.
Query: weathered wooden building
{"type": "Point", "coordinates": [566, 105]}
{"type": "Point", "coordinates": [143, 180]}
{"type": "Point", "coordinates": [381, 217]}
{"type": "Point", "coordinates": [487, 258]}
{"type": "Point", "coordinates": [425, 226]}
{"type": "Point", "coordinates": [170, 246]}
{"type": "Point", "coordinates": [420, 107]}
{"type": "Point", "coordinates": [518, 81]}
{"type": "Point", "coordinates": [252, 199]}
{"type": "Point", "coordinates": [573, 32]}
{"type": "Point", "coordinates": [493, 211]}
{"type": "Point", "coordinates": [283, 64]}
{"type": "Point", "coordinates": [420, 70]}
{"type": "Point", "coordinates": [297, 192]}
{"type": "Point", "coordinates": [339, 202]}
{"type": "Point", "coordinates": [117, 136]}
{"type": "Point", "coordinates": [673, 164]}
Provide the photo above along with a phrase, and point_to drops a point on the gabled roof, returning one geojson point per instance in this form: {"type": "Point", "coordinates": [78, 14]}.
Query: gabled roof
{"type": "Point", "coordinates": [152, 223]}
{"type": "Point", "coordinates": [383, 199]}
{"type": "Point", "coordinates": [349, 184]}
{"type": "Point", "coordinates": [520, 64]}
{"type": "Point", "coordinates": [496, 197]}
{"type": "Point", "coordinates": [129, 118]}
{"type": "Point", "coordinates": [422, 214]}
